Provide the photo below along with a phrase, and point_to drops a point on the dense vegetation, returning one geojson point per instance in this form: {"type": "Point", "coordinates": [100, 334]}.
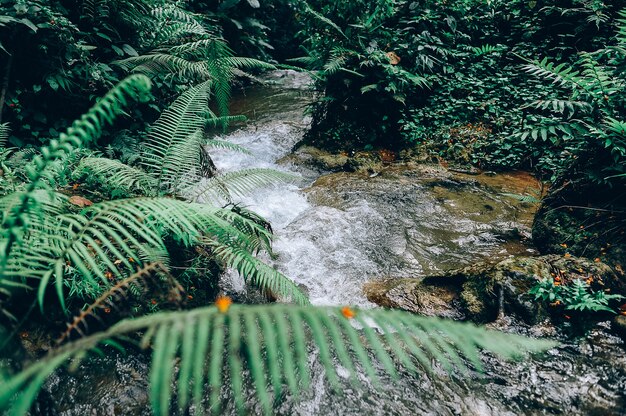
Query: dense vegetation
{"type": "Point", "coordinates": [113, 210]}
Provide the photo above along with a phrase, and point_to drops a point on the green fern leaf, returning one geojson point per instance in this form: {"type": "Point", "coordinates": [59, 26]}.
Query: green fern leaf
{"type": "Point", "coordinates": [258, 338]}
{"type": "Point", "coordinates": [239, 183]}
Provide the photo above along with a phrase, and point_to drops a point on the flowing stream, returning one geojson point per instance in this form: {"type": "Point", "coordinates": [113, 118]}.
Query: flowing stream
{"type": "Point", "coordinates": [337, 231]}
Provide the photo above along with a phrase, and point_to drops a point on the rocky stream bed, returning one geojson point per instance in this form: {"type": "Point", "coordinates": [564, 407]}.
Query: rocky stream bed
{"type": "Point", "coordinates": [399, 231]}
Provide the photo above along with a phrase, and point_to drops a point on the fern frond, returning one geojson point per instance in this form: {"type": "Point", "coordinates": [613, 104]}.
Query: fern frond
{"type": "Point", "coordinates": [139, 282]}
{"type": "Point", "coordinates": [182, 164]}
{"type": "Point", "coordinates": [201, 47]}
{"type": "Point", "coordinates": [80, 133]}
{"type": "Point", "coordinates": [186, 116]}
{"type": "Point", "coordinates": [117, 175]}
{"type": "Point", "coordinates": [5, 130]}
{"type": "Point", "coordinates": [320, 17]}
{"type": "Point", "coordinates": [156, 63]}
{"type": "Point", "coordinates": [561, 74]}
{"type": "Point", "coordinates": [621, 28]}
{"type": "Point", "coordinates": [176, 30]}
{"type": "Point", "coordinates": [226, 145]}
{"type": "Point", "coordinates": [246, 63]}
{"type": "Point", "coordinates": [257, 340]}
{"type": "Point", "coordinates": [239, 183]}
{"type": "Point", "coordinates": [484, 49]}
{"type": "Point", "coordinates": [259, 274]}
{"type": "Point", "coordinates": [117, 236]}
{"type": "Point", "coordinates": [175, 23]}
{"type": "Point", "coordinates": [598, 82]}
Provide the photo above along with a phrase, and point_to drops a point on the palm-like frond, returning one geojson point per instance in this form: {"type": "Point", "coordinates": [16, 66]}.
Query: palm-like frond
{"type": "Point", "coordinates": [323, 19]}
{"type": "Point", "coordinates": [144, 279]}
{"type": "Point", "coordinates": [117, 175]}
{"type": "Point", "coordinates": [181, 120]}
{"type": "Point", "coordinates": [173, 23]}
{"type": "Point", "coordinates": [223, 187]}
{"type": "Point", "coordinates": [80, 133]}
{"type": "Point", "coordinates": [561, 74]}
{"type": "Point", "coordinates": [4, 134]}
{"type": "Point", "coordinates": [259, 274]}
{"type": "Point", "coordinates": [226, 145]}
{"type": "Point", "coordinates": [116, 236]}
{"type": "Point", "coordinates": [161, 63]}
{"type": "Point", "coordinates": [272, 344]}
{"type": "Point", "coordinates": [565, 107]}
{"type": "Point", "coordinates": [206, 59]}
{"type": "Point", "coordinates": [181, 164]}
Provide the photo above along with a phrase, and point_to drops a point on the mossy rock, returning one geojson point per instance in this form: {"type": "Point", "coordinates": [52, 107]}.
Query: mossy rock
{"type": "Point", "coordinates": [483, 291]}
{"type": "Point", "coordinates": [583, 219]}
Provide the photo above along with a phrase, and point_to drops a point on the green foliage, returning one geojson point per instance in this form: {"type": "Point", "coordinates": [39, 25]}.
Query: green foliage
{"type": "Point", "coordinates": [481, 103]}
{"type": "Point", "coordinates": [577, 295]}
{"type": "Point", "coordinates": [355, 51]}
{"type": "Point", "coordinates": [20, 209]}
{"type": "Point", "coordinates": [173, 158]}
{"type": "Point", "coordinates": [271, 344]}
{"type": "Point", "coordinates": [585, 119]}
{"type": "Point", "coordinates": [89, 37]}
{"type": "Point", "coordinates": [44, 241]}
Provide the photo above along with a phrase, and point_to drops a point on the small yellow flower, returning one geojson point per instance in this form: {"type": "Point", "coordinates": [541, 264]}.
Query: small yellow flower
{"type": "Point", "coordinates": [347, 312]}
{"type": "Point", "coordinates": [223, 303]}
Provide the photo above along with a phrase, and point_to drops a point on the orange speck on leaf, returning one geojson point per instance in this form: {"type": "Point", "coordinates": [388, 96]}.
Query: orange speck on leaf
{"type": "Point", "coordinates": [153, 301]}
{"type": "Point", "coordinates": [567, 255]}
{"type": "Point", "coordinates": [189, 297]}
{"type": "Point", "coordinates": [107, 310]}
{"type": "Point", "coordinates": [223, 303]}
{"type": "Point", "coordinates": [563, 245]}
{"type": "Point", "coordinates": [597, 260]}
{"type": "Point", "coordinates": [347, 312]}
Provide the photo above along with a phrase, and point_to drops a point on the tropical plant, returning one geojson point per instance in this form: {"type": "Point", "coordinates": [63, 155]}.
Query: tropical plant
{"type": "Point", "coordinates": [577, 295]}
{"type": "Point", "coordinates": [271, 344]}
{"type": "Point", "coordinates": [586, 122]}
{"type": "Point", "coordinates": [186, 52]}
{"type": "Point", "coordinates": [355, 51]}
{"type": "Point", "coordinates": [43, 236]}
{"type": "Point", "coordinates": [173, 159]}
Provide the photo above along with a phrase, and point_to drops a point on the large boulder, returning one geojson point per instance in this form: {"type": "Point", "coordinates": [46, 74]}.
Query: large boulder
{"type": "Point", "coordinates": [485, 291]}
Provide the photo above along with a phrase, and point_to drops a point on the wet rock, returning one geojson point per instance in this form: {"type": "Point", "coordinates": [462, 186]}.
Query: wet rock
{"type": "Point", "coordinates": [316, 158]}
{"type": "Point", "coordinates": [619, 325]}
{"type": "Point", "coordinates": [416, 296]}
{"type": "Point", "coordinates": [483, 292]}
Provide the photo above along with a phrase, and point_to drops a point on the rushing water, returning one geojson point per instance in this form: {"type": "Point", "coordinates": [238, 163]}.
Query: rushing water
{"type": "Point", "coordinates": [334, 232]}
{"type": "Point", "coordinates": [338, 231]}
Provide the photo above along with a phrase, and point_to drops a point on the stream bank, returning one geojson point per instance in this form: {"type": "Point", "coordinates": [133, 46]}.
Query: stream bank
{"type": "Point", "coordinates": [354, 219]}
